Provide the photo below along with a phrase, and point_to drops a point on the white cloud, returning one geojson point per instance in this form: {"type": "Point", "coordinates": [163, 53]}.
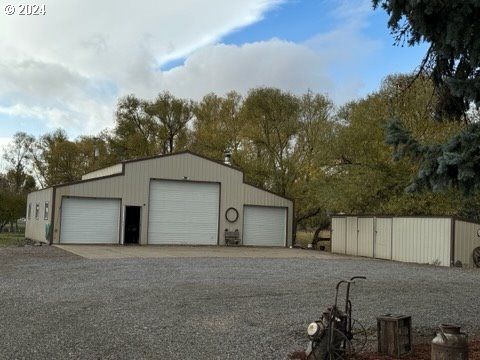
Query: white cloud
{"type": "Point", "coordinates": [329, 62]}
{"type": "Point", "coordinates": [67, 69]}
{"type": "Point", "coordinates": [82, 53]}
{"type": "Point", "coordinates": [221, 68]}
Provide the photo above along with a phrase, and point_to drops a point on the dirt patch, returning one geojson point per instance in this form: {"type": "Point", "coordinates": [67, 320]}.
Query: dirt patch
{"type": "Point", "coordinates": [422, 352]}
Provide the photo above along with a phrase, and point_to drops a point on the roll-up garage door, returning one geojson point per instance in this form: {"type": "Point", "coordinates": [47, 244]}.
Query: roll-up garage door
{"type": "Point", "coordinates": [183, 212]}
{"type": "Point", "coordinates": [264, 226]}
{"type": "Point", "coordinates": [90, 221]}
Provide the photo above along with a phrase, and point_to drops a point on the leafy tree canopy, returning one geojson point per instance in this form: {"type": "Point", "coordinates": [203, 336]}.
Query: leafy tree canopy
{"type": "Point", "coordinates": [452, 61]}
{"type": "Point", "coordinates": [451, 29]}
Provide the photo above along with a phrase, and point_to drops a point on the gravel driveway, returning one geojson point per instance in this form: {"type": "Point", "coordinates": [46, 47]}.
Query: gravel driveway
{"type": "Point", "coordinates": [57, 305]}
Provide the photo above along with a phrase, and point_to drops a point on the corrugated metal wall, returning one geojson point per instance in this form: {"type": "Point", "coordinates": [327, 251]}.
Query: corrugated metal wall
{"type": "Point", "coordinates": [383, 238]}
{"type": "Point", "coordinates": [466, 240]}
{"type": "Point", "coordinates": [365, 236]}
{"type": "Point", "coordinates": [351, 242]}
{"type": "Point", "coordinates": [36, 229]}
{"type": "Point", "coordinates": [422, 240]}
{"type": "Point", "coordinates": [408, 239]}
{"type": "Point", "coordinates": [111, 170]}
{"type": "Point", "coordinates": [133, 189]}
{"type": "Point", "coordinates": [339, 235]}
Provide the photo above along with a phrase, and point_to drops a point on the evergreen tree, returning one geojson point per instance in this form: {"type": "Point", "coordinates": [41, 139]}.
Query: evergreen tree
{"type": "Point", "coordinates": [453, 63]}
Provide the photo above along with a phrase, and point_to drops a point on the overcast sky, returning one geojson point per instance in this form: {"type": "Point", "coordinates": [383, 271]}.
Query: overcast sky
{"type": "Point", "coordinates": [68, 68]}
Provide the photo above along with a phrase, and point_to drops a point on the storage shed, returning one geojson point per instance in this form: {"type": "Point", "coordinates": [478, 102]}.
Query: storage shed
{"type": "Point", "coordinates": [438, 240]}
{"type": "Point", "coordinates": [180, 198]}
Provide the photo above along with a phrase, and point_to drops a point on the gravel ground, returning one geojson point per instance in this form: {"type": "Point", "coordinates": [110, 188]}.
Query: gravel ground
{"type": "Point", "coordinates": [57, 305]}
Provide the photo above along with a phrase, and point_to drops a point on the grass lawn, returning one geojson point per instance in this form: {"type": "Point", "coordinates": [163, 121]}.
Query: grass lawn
{"type": "Point", "coordinates": [12, 239]}
{"type": "Point", "coordinates": [305, 237]}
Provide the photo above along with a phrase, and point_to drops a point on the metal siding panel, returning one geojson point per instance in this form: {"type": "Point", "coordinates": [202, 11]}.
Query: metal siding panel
{"type": "Point", "coordinates": [365, 237]}
{"type": "Point", "coordinates": [133, 188]}
{"type": "Point", "coordinates": [183, 212]}
{"type": "Point", "coordinates": [90, 221]}
{"type": "Point", "coordinates": [383, 238]}
{"type": "Point", "coordinates": [421, 240]}
{"type": "Point", "coordinates": [114, 169]}
{"type": "Point", "coordinates": [264, 226]}
{"type": "Point", "coordinates": [466, 240]}
{"type": "Point", "coordinates": [398, 239]}
{"type": "Point", "coordinates": [339, 235]}
{"type": "Point", "coordinates": [352, 236]}
{"type": "Point", "coordinates": [37, 229]}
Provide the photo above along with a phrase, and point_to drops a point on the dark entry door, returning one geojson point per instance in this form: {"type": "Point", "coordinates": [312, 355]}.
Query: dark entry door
{"type": "Point", "coordinates": [132, 224]}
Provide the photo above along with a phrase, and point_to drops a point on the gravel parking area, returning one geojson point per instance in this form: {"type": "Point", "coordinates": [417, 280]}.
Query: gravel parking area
{"type": "Point", "coordinates": [57, 305]}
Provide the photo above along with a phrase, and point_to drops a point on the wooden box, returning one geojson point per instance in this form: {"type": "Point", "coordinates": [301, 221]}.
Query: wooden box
{"type": "Point", "coordinates": [394, 334]}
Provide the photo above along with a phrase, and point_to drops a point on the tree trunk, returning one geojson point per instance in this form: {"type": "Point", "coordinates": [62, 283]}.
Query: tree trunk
{"type": "Point", "coordinates": [315, 236]}
{"type": "Point", "coordinates": [170, 143]}
{"type": "Point", "coordinates": [308, 215]}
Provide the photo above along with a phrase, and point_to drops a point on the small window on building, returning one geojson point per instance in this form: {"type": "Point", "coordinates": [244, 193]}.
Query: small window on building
{"type": "Point", "coordinates": [37, 211]}
{"type": "Point", "coordinates": [45, 213]}
{"type": "Point", "coordinates": [29, 213]}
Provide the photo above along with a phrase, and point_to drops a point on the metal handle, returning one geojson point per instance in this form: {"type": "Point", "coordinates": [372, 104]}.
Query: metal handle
{"type": "Point", "coordinates": [442, 334]}
{"type": "Point", "coordinates": [358, 277]}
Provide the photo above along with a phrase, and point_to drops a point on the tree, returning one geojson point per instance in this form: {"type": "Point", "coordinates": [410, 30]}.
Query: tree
{"type": "Point", "coordinates": [135, 133]}
{"type": "Point", "coordinates": [8, 207]}
{"type": "Point", "coordinates": [57, 159]}
{"type": "Point", "coordinates": [271, 123]}
{"type": "Point", "coordinates": [364, 178]}
{"type": "Point", "coordinates": [453, 63]}
{"type": "Point", "coordinates": [455, 163]}
{"type": "Point", "coordinates": [312, 156]}
{"type": "Point", "coordinates": [453, 58]}
{"type": "Point", "coordinates": [18, 155]}
{"type": "Point", "coordinates": [171, 116]}
{"type": "Point", "coordinates": [17, 182]}
{"type": "Point", "coordinates": [217, 127]}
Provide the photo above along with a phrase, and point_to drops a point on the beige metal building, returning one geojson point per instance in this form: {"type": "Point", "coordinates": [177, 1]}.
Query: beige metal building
{"type": "Point", "coordinates": [181, 198]}
{"type": "Point", "coordinates": [442, 241]}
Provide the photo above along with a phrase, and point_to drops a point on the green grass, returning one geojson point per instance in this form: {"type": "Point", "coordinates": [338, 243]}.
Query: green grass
{"type": "Point", "coordinates": [305, 237]}
{"type": "Point", "coordinates": [12, 239]}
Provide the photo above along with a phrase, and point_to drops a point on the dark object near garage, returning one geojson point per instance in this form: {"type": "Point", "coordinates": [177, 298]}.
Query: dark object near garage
{"type": "Point", "coordinates": [394, 334]}
{"type": "Point", "coordinates": [232, 237]}
{"type": "Point", "coordinates": [476, 256]}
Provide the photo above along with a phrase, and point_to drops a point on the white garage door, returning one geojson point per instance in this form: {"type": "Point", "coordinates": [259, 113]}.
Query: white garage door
{"type": "Point", "coordinates": [183, 212]}
{"type": "Point", "coordinates": [264, 226]}
{"type": "Point", "coordinates": [90, 221]}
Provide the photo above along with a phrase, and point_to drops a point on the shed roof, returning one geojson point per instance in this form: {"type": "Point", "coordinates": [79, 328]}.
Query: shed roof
{"type": "Point", "coordinates": [158, 157]}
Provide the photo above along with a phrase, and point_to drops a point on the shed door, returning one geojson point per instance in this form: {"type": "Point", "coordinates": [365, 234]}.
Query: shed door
{"type": "Point", "coordinates": [365, 237]}
{"type": "Point", "coordinates": [339, 234]}
{"type": "Point", "coordinates": [183, 212]}
{"type": "Point", "coordinates": [264, 226]}
{"type": "Point", "coordinates": [90, 221]}
{"type": "Point", "coordinates": [383, 238]}
{"type": "Point", "coordinates": [352, 233]}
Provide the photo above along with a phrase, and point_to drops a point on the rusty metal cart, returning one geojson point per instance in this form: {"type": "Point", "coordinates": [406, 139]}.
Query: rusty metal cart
{"type": "Point", "coordinates": [337, 335]}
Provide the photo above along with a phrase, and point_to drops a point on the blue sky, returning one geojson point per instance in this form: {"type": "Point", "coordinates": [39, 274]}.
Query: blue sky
{"type": "Point", "coordinates": [341, 48]}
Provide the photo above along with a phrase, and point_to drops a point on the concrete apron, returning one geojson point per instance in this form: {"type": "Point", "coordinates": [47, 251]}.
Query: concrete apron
{"type": "Point", "coordinates": [164, 251]}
